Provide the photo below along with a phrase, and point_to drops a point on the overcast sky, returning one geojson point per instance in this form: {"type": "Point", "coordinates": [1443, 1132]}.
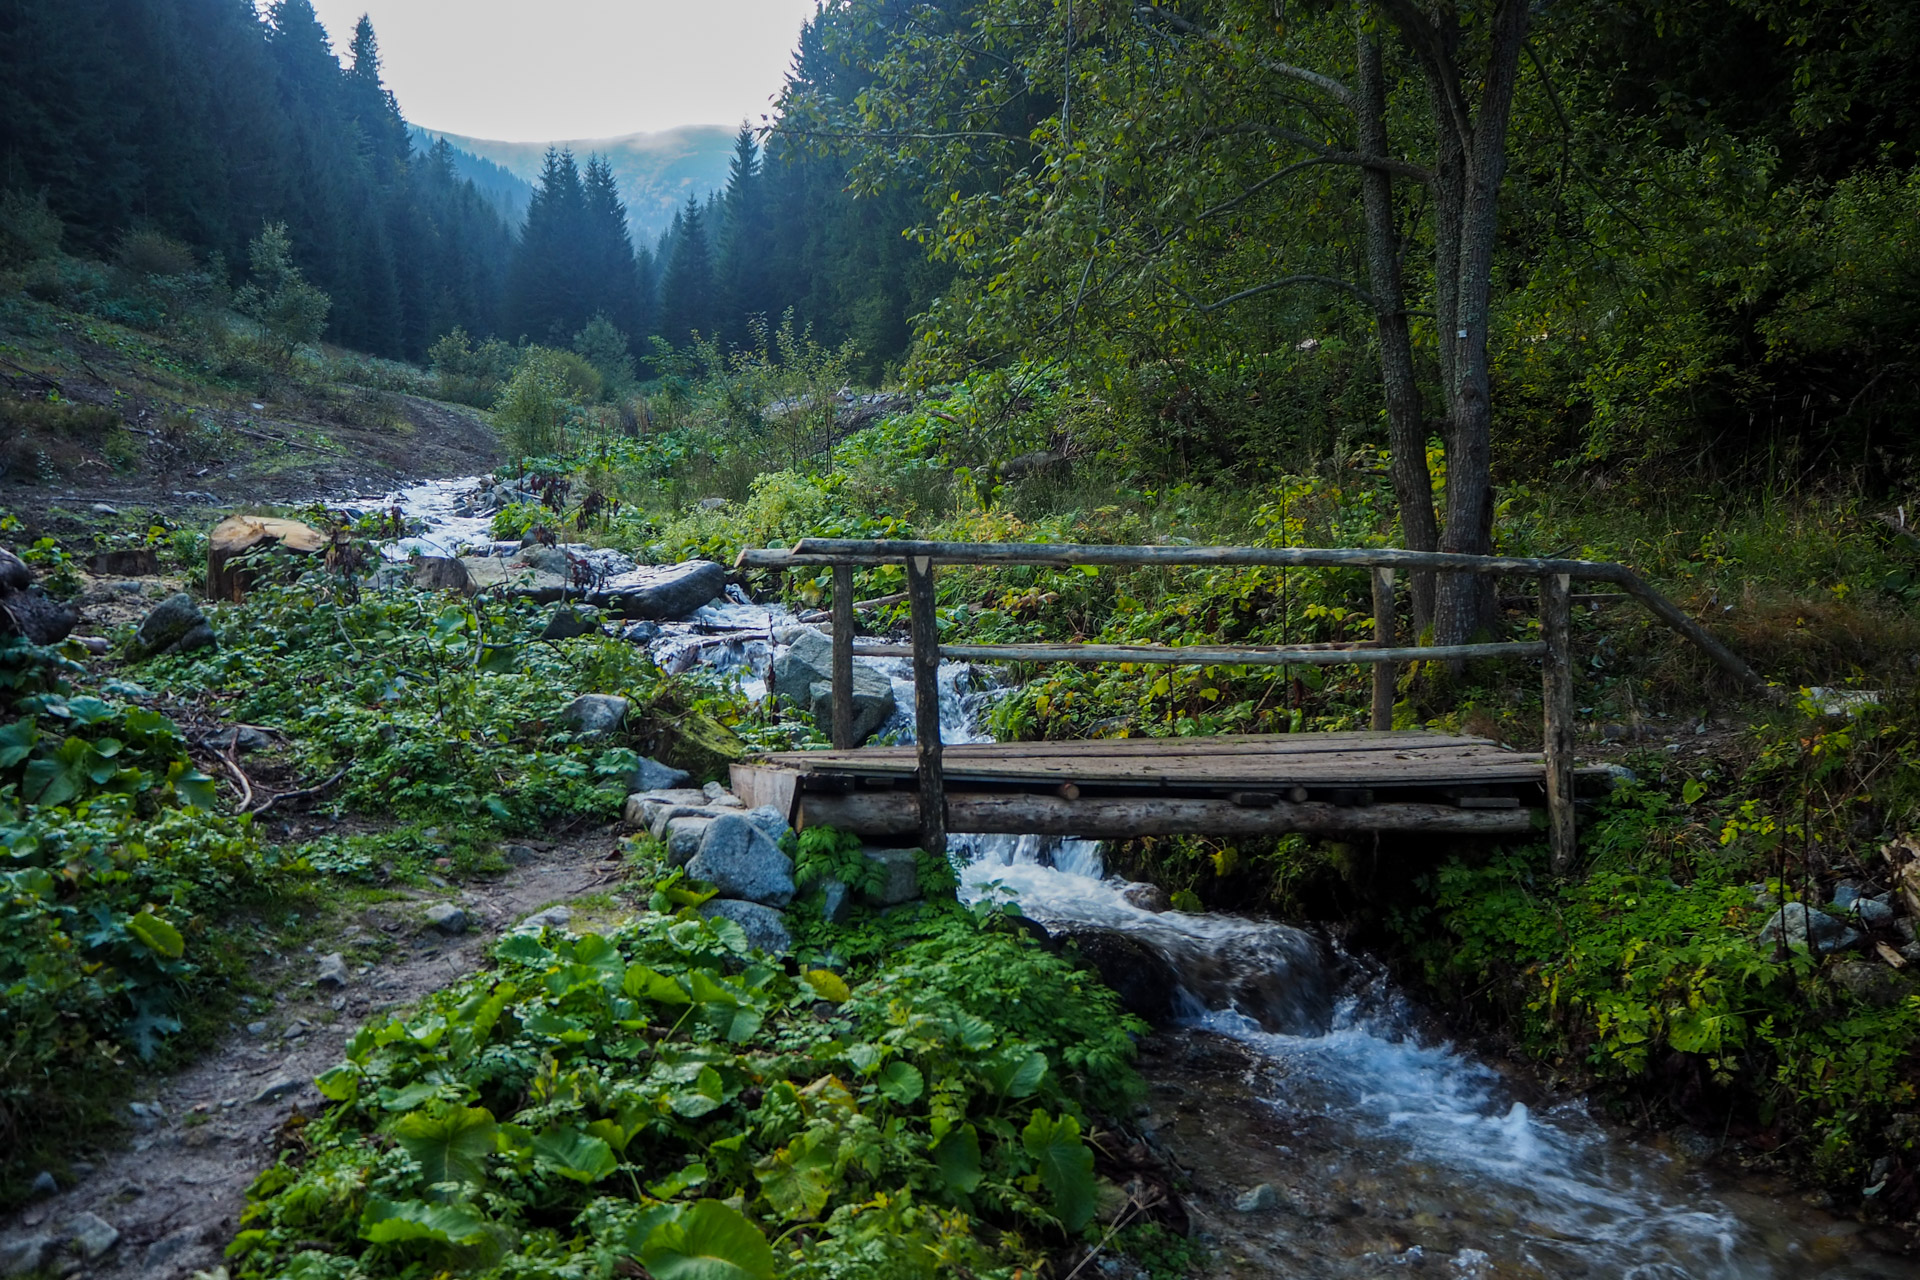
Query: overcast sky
{"type": "Point", "coordinates": [544, 70]}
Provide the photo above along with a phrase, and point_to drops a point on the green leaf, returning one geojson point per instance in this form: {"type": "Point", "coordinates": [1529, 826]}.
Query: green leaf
{"type": "Point", "coordinates": [828, 985]}
{"type": "Point", "coordinates": [901, 1082]}
{"type": "Point", "coordinates": [159, 936]}
{"type": "Point", "coordinates": [16, 741]}
{"type": "Point", "coordinates": [710, 1241]}
{"type": "Point", "coordinates": [499, 659]}
{"type": "Point", "coordinates": [707, 1093]}
{"type": "Point", "coordinates": [48, 782]}
{"type": "Point", "coordinates": [450, 1144]}
{"type": "Point", "coordinates": [394, 1221]}
{"type": "Point", "coordinates": [340, 1083]}
{"type": "Point", "coordinates": [1065, 1166]}
{"type": "Point", "coordinates": [958, 1158]}
{"type": "Point", "coordinates": [575, 1155]}
{"type": "Point", "coordinates": [195, 788]}
{"type": "Point", "coordinates": [798, 1179]}
{"type": "Point", "coordinates": [524, 948]}
{"type": "Point", "coordinates": [1016, 1071]}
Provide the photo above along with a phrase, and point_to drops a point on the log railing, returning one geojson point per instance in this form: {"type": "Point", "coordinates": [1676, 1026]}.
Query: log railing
{"type": "Point", "coordinates": [920, 558]}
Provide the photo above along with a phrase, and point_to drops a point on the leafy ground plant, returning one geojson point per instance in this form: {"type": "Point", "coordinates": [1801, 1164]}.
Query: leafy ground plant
{"type": "Point", "coordinates": [663, 1097]}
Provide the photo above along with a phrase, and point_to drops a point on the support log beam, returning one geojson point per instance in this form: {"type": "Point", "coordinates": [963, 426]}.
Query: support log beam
{"type": "Point", "coordinates": [897, 813]}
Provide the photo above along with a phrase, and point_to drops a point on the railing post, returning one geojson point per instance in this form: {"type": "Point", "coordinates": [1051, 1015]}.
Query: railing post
{"type": "Point", "coordinates": [1556, 687]}
{"type": "Point", "coordinates": [1383, 672]}
{"type": "Point", "coordinates": [843, 658]}
{"type": "Point", "coordinates": [921, 603]}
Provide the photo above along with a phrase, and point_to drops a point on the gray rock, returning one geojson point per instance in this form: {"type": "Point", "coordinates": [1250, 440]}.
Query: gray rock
{"type": "Point", "coordinates": [595, 713]}
{"type": "Point", "coordinates": [44, 1184]}
{"type": "Point", "coordinates": [102, 509]}
{"type": "Point", "coordinates": [684, 837]}
{"type": "Point", "coordinates": [1903, 928]}
{"type": "Point", "coordinates": [836, 904]}
{"type": "Point", "coordinates": [167, 1248]}
{"type": "Point", "coordinates": [92, 1235]}
{"type": "Point", "coordinates": [1145, 981]}
{"type": "Point", "coordinates": [1873, 984]}
{"type": "Point", "coordinates": [519, 855]}
{"type": "Point", "coordinates": [1258, 1199]}
{"type": "Point", "coordinates": [1804, 926]}
{"type": "Point", "coordinates": [442, 573]}
{"type": "Point", "coordinates": [551, 918]}
{"type": "Point", "coordinates": [256, 1028]}
{"type": "Point", "coordinates": [333, 972]}
{"type": "Point", "coordinates": [899, 877]}
{"type": "Point", "coordinates": [278, 1088]}
{"type": "Point", "coordinates": [14, 574]}
{"type": "Point", "coordinates": [714, 504]}
{"type": "Point", "coordinates": [24, 1255]}
{"type": "Point", "coordinates": [737, 858]}
{"type": "Point", "coordinates": [1845, 894]}
{"type": "Point", "coordinates": [447, 918]}
{"type": "Point", "coordinates": [658, 592]}
{"type": "Point", "coordinates": [765, 928]}
{"type": "Point", "coordinates": [1911, 953]}
{"type": "Point", "coordinates": [803, 675]}
{"type": "Point", "coordinates": [569, 624]}
{"type": "Point", "coordinates": [714, 792]}
{"type": "Point", "coordinates": [175, 625]}
{"type": "Point", "coordinates": [651, 775]}
{"type": "Point", "coordinates": [1873, 913]}
{"type": "Point", "coordinates": [1147, 897]}
{"type": "Point", "coordinates": [547, 560]}
{"type": "Point", "coordinates": [769, 820]}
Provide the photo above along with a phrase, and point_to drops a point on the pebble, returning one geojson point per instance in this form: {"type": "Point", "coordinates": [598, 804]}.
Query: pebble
{"type": "Point", "coordinates": [44, 1184]}
{"type": "Point", "coordinates": [293, 1033]}
{"type": "Point", "coordinates": [92, 1235]}
{"type": "Point", "coordinates": [447, 918]}
{"type": "Point", "coordinates": [256, 1028]}
{"type": "Point", "coordinates": [1258, 1199]}
{"type": "Point", "coordinates": [279, 1088]}
{"type": "Point", "coordinates": [332, 972]}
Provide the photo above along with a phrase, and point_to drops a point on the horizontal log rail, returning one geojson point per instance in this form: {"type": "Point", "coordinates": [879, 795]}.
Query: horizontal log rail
{"type": "Point", "coordinates": [920, 557]}
{"type": "Point", "coordinates": [1210, 655]}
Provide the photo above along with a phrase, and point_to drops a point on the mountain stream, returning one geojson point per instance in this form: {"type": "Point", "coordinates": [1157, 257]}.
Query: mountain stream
{"type": "Point", "coordinates": [1326, 1131]}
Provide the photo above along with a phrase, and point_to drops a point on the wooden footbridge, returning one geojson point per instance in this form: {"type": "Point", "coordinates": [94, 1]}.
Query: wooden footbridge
{"type": "Point", "coordinates": [1320, 783]}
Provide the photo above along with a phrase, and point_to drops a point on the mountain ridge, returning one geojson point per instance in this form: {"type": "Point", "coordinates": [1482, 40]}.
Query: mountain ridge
{"type": "Point", "coordinates": [656, 171]}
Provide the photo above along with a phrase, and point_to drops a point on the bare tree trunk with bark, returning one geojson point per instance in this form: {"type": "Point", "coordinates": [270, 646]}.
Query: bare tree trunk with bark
{"type": "Point", "coordinates": [1406, 429]}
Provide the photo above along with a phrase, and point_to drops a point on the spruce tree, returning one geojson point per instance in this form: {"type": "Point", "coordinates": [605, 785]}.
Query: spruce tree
{"type": "Point", "coordinates": [686, 294]}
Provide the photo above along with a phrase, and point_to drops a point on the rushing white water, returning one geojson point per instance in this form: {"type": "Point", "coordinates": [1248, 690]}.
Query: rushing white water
{"type": "Point", "coordinates": [1408, 1128]}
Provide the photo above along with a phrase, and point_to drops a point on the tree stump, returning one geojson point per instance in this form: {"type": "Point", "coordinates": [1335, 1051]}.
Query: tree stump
{"type": "Point", "coordinates": [237, 537]}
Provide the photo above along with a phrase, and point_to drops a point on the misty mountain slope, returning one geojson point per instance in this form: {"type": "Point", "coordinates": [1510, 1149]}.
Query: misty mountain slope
{"type": "Point", "coordinates": [656, 171]}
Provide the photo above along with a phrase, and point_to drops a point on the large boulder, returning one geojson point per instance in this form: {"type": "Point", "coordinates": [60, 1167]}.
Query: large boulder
{"type": "Point", "coordinates": [175, 625]}
{"type": "Point", "coordinates": [1145, 980]}
{"type": "Point", "coordinates": [899, 877]}
{"type": "Point", "coordinates": [662, 591]}
{"type": "Point", "coordinates": [442, 573]}
{"type": "Point", "coordinates": [24, 611]}
{"type": "Point", "coordinates": [650, 775]}
{"type": "Point", "coordinates": [595, 713]}
{"type": "Point", "coordinates": [1799, 925]}
{"type": "Point", "coordinates": [765, 928]}
{"type": "Point", "coordinates": [742, 861]}
{"type": "Point", "coordinates": [803, 675]}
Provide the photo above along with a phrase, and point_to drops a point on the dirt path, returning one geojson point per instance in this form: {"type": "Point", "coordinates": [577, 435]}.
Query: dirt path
{"type": "Point", "coordinates": [175, 1190]}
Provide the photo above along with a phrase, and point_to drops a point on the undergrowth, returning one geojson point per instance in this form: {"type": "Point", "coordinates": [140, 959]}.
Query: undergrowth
{"type": "Point", "coordinates": [664, 1095]}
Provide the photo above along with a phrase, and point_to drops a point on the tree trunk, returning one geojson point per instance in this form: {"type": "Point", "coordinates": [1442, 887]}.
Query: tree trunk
{"type": "Point", "coordinates": [1465, 607]}
{"type": "Point", "coordinates": [1406, 431]}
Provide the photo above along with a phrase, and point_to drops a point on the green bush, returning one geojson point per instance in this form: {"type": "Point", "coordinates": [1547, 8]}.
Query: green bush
{"type": "Point", "coordinates": [468, 374]}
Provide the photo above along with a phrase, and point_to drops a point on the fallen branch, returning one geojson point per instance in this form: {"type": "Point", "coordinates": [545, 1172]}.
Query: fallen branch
{"type": "Point", "coordinates": [302, 794]}
{"type": "Point", "coordinates": [240, 779]}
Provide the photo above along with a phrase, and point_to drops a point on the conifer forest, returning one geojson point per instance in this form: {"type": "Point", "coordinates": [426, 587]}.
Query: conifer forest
{"type": "Point", "coordinates": [1230, 638]}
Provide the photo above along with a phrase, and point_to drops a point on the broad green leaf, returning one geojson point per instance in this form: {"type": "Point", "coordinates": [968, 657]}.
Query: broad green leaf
{"type": "Point", "coordinates": [393, 1221]}
{"type": "Point", "coordinates": [573, 1154]}
{"type": "Point", "coordinates": [1065, 1165]}
{"type": "Point", "coordinates": [499, 659]}
{"type": "Point", "coordinates": [958, 1158]}
{"type": "Point", "coordinates": [1016, 1071]}
{"type": "Point", "coordinates": [902, 1082]}
{"type": "Point", "coordinates": [192, 786]}
{"type": "Point", "coordinates": [707, 1092]}
{"type": "Point", "coordinates": [798, 1179]}
{"type": "Point", "coordinates": [667, 1188]}
{"type": "Point", "coordinates": [450, 1144]}
{"type": "Point", "coordinates": [828, 985]}
{"type": "Point", "coordinates": [710, 1241]}
{"type": "Point", "coordinates": [159, 936]}
{"type": "Point", "coordinates": [341, 1083]}
{"type": "Point", "coordinates": [413, 1096]}
{"type": "Point", "coordinates": [524, 948]}
{"type": "Point", "coordinates": [16, 741]}
{"type": "Point", "coordinates": [48, 782]}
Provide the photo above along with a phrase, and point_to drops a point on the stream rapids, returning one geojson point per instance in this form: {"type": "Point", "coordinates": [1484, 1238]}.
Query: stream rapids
{"type": "Point", "coordinates": [1412, 1154]}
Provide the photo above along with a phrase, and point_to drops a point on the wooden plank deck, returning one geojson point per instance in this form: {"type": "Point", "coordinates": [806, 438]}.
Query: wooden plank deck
{"type": "Point", "coordinates": [1107, 788]}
